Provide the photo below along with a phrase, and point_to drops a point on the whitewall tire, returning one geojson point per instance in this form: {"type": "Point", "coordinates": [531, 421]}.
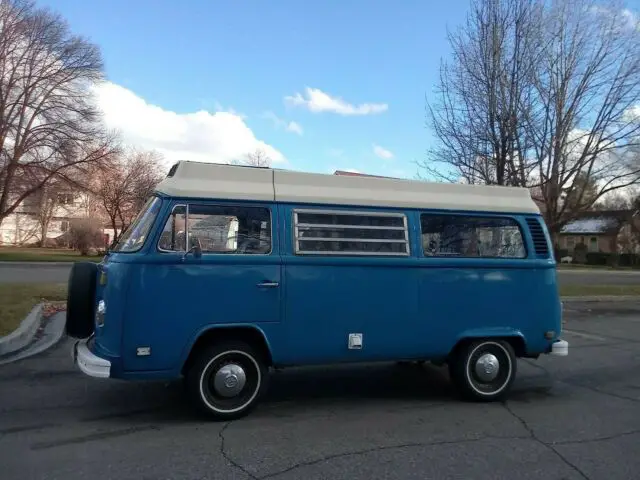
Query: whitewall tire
{"type": "Point", "coordinates": [484, 370]}
{"type": "Point", "coordinates": [227, 380]}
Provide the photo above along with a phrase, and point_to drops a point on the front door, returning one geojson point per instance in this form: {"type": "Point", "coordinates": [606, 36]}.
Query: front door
{"type": "Point", "coordinates": [176, 294]}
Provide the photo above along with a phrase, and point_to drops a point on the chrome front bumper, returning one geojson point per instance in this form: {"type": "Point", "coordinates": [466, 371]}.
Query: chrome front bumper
{"type": "Point", "coordinates": [89, 363]}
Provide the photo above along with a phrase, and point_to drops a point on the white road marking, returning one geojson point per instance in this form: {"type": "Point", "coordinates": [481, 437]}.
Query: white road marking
{"type": "Point", "coordinates": [585, 335]}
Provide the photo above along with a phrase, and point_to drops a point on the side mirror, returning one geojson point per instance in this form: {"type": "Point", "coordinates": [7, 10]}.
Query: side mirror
{"type": "Point", "coordinates": [196, 250]}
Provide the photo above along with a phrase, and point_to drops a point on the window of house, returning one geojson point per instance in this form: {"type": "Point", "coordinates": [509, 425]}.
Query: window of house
{"type": "Point", "coordinates": [65, 198]}
{"type": "Point", "coordinates": [218, 229]}
{"type": "Point", "coordinates": [593, 244]}
{"type": "Point", "coordinates": [571, 242]}
{"type": "Point", "coordinates": [471, 236]}
{"type": "Point", "coordinates": [64, 225]}
{"type": "Point", "coordinates": [319, 232]}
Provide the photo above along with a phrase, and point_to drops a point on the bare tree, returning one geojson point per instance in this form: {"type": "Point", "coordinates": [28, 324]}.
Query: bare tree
{"type": "Point", "coordinates": [125, 186]}
{"type": "Point", "coordinates": [484, 94]}
{"type": "Point", "coordinates": [544, 95]}
{"type": "Point", "coordinates": [617, 201]}
{"type": "Point", "coordinates": [48, 203]}
{"type": "Point", "coordinates": [257, 158]}
{"type": "Point", "coordinates": [584, 128]}
{"type": "Point", "coordinates": [49, 125]}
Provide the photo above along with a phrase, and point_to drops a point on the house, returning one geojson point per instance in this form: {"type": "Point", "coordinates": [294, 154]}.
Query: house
{"type": "Point", "coordinates": [614, 231]}
{"type": "Point", "coordinates": [56, 208]}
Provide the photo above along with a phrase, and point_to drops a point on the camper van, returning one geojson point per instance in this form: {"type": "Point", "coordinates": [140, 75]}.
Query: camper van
{"type": "Point", "coordinates": [229, 272]}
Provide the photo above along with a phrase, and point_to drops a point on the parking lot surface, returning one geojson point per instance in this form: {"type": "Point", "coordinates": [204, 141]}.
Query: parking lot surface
{"type": "Point", "coordinates": [575, 417]}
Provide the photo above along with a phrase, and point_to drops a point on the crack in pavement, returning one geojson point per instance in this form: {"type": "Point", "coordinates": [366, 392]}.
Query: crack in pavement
{"type": "Point", "coordinates": [531, 435]}
{"type": "Point", "coordinates": [599, 439]}
{"type": "Point", "coordinates": [548, 446]}
{"type": "Point", "coordinates": [388, 447]}
{"type": "Point", "coordinates": [92, 437]}
{"type": "Point", "coordinates": [227, 457]}
{"type": "Point", "coordinates": [571, 383]}
{"type": "Point", "coordinates": [601, 392]}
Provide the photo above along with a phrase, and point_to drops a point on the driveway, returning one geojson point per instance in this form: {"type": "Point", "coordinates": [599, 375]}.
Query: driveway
{"type": "Point", "coordinates": [569, 418]}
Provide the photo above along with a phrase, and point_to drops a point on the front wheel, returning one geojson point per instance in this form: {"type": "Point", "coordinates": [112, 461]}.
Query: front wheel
{"type": "Point", "coordinates": [227, 380]}
{"type": "Point", "coordinates": [484, 370]}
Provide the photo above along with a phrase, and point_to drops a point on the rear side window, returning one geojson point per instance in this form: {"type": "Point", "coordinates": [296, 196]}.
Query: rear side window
{"type": "Point", "coordinates": [218, 229]}
{"type": "Point", "coordinates": [320, 232]}
{"type": "Point", "coordinates": [471, 236]}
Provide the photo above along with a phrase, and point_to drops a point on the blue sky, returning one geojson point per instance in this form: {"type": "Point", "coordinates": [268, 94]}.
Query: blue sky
{"type": "Point", "coordinates": [246, 57]}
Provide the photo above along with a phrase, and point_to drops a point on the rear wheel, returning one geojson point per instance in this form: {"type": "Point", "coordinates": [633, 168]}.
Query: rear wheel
{"type": "Point", "coordinates": [227, 380]}
{"type": "Point", "coordinates": [484, 370]}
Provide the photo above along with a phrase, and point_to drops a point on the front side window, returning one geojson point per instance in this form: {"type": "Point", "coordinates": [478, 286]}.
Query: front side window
{"type": "Point", "coordinates": [218, 229]}
{"type": "Point", "coordinates": [350, 233]}
{"type": "Point", "coordinates": [471, 236]}
{"type": "Point", "coordinates": [173, 237]}
{"type": "Point", "coordinates": [133, 238]}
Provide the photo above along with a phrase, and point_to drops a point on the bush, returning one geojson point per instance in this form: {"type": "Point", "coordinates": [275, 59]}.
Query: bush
{"type": "Point", "coordinates": [580, 253]}
{"type": "Point", "coordinates": [85, 235]}
{"type": "Point", "coordinates": [597, 258]}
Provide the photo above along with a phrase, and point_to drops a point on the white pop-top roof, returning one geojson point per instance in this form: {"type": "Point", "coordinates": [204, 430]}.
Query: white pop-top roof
{"type": "Point", "coordinates": [210, 180]}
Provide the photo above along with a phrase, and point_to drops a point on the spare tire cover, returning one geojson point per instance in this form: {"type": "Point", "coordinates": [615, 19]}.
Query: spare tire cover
{"type": "Point", "coordinates": [81, 300]}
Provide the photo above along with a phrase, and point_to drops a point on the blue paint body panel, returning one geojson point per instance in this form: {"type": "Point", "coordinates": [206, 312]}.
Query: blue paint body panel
{"type": "Point", "coordinates": [411, 307]}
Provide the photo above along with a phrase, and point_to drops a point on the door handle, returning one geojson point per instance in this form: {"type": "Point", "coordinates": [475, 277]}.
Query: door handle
{"type": "Point", "coordinates": [268, 284]}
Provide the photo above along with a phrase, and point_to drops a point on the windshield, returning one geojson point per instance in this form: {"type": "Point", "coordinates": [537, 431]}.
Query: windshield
{"type": "Point", "coordinates": [133, 238]}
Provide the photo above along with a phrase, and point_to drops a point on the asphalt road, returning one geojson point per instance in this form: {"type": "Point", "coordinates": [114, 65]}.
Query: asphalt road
{"type": "Point", "coordinates": [60, 273]}
{"type": "Point", "coordinates": [576, 417]}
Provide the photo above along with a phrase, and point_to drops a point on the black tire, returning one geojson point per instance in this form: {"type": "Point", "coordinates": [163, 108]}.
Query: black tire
{"type": "Point", "coordinates": [463, 373]}
{"type": "Point", "coordinates": [81, 300]}
{"type": "Point", "coordinates": [200, 380]}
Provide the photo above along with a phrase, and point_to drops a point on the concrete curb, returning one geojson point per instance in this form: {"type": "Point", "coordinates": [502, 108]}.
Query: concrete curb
{"type": "Point", "coordinates": [52, 333]}
{"type": "Point", "coordinates": [23, 335]}
{"type": "Point", "coordinates": [602, 298]}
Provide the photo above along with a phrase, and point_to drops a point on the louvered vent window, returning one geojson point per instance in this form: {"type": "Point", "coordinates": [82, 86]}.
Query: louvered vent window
{"type": "Point", "coordinates": [539, 238]}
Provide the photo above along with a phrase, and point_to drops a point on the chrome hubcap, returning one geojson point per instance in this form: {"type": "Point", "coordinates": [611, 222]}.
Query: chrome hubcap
{"type": "Point", "coordinates": [487, 367]}
{"type": "Point", "coordinates": [229, 380]}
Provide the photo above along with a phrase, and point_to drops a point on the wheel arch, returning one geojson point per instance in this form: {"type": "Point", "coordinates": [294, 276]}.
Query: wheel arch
{"type": "Point", "coordinates": [514, 337]}
{"type": "Point", "coordinates": [211, 334]}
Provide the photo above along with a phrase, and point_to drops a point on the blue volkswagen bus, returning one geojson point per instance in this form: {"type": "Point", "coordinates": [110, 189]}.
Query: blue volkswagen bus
{"type": "Point", "coordinates": [229, 271]}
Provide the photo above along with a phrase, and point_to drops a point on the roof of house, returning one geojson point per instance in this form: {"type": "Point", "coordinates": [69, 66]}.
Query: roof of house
{"type": "Point", "coordinates": [597, 223]}
{"type": "Point", "coordinates": [208, 180]}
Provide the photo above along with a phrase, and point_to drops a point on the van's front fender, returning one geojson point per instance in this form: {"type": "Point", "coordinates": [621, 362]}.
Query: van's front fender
{"type": "Point", "coordinates": [220, 327]}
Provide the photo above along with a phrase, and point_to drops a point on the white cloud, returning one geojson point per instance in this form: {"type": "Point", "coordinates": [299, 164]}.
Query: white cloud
{"type": "Point", "coordinates": [317, 101]}
{"type": "Point", "coordinates": [632, 19]}
{"type": "Point", "coordinates": [382, 152]}
{"type": "Point", "coordinates": [201, 136]}
{"type": "Point", "coordinates": [627, 19]}
{"type": "Point", "coordinates": [632, 114]}
{"type": "Point", "coordinates": [293, 127]}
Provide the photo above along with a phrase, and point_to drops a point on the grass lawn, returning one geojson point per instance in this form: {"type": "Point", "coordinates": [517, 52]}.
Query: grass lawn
{"type": "Point", "coordinates": [598, 290]}
{"type": "Point", "coordinates": [17, 254]}
{"type": "Point", "coordinates": [17, 300]}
